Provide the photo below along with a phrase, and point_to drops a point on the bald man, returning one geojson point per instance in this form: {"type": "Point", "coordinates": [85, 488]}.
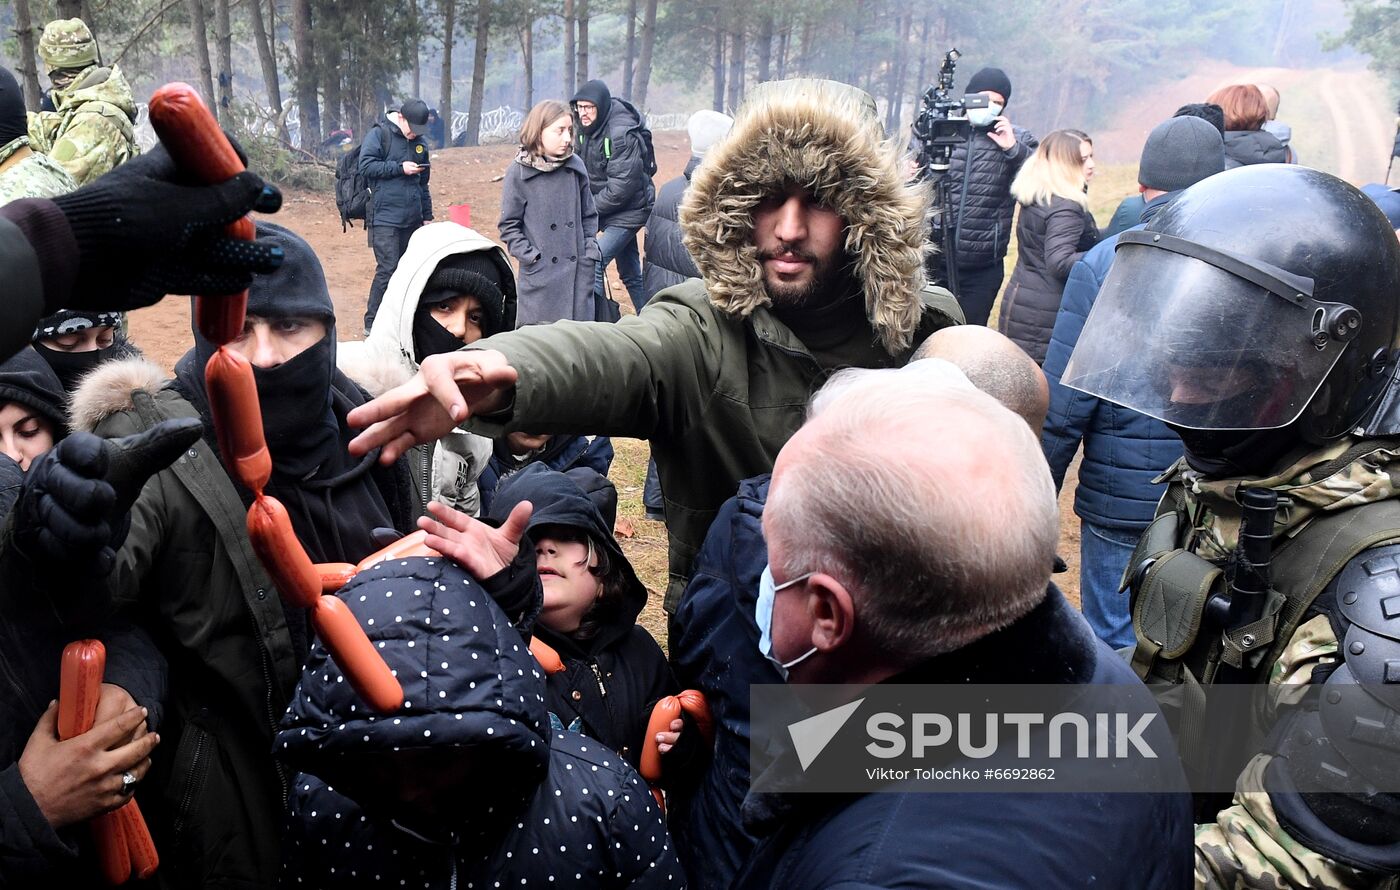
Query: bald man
{"type": "Point", "coordinates": [995, 365]}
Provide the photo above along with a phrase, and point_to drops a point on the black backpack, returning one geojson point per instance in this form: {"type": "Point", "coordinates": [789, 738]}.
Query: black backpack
{"type": "Point", "coordinates": [643, 135]}
{"type": "Point", "coordinates": [351, 189]}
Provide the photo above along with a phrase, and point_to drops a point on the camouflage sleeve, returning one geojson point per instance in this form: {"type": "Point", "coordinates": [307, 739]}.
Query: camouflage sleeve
{"type": "Point", "coordinates": [90, 146]}
{"type": "Point", "coordinates": [1246, 847]}
{"type": "Point", "coordinates": [41, 129]}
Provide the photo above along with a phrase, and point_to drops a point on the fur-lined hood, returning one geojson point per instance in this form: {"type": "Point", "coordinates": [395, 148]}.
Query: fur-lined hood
{"type": "Point", "coordinates": [108, 390]}
{"type": "Point", "coordinates": [823, 135]}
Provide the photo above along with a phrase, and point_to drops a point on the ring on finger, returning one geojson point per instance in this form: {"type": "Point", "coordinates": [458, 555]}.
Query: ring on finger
{"type": "Point", "coordinates": [128, 782]}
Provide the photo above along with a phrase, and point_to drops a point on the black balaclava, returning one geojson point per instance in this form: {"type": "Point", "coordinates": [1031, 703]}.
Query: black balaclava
{"type": "Point", "coordinates": [71, 367]}
{"type": "Point", "coordinates": [14, 122]}
{"type": "Point", "coordinates": [1235, 454]}
{"type": "Point", "coordinates": [332, 498]}
{"type": "Point", "coordinates": [597, 92]}
{"type": "Point", "coordinates": [472, 274]}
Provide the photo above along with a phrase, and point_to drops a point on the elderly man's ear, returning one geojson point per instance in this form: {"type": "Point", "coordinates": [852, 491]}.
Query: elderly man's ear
{"type": "Point", "coordinates": [832, 610]}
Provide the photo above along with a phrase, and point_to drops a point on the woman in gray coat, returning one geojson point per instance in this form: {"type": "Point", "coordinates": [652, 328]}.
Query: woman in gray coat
{"type": "Point", "coordinates": [548, 220]}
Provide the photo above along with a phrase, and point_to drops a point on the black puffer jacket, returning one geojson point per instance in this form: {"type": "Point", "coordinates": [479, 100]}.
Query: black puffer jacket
{"type": "Point", "coordinates": [1245, 147]}
{"type": "Point", "coordinates": [613, 678]}
{"type": "Point", "coordinates": [668, 262]}
{"type": "Point", "coordinates": [983, 219]}
{"type": "Point", "coordinates": [622, 188]}
{"type": "Point", "coordinates": [1051, 238]}
{"type": "Point", "coordinates": [541, 806]}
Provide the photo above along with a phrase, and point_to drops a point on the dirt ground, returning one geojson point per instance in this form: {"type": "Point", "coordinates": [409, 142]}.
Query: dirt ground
{"type": "Point", "coordinates": [1340, 124]}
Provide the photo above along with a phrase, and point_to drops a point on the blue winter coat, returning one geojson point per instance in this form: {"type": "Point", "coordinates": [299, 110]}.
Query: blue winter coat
{"type": "Point", "coordinates": [668, 262]}
{"type": "Point", "coordinates": [985, 840]}
{"type": "Point", "coordinates": [562, 453]}
{"type": "Point", "coordinates": [395, 199]}
{"type": "Point", "coordinates": [540, 806]}
{"type": "Point", "coordinates": [1123, 450]}
{"type": "Point", "coordinates": [715, 650]}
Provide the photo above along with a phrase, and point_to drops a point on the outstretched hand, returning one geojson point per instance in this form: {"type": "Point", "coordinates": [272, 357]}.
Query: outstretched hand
{"type": "Point", "coordinates": [477, 547]}
{"type": "Point", "coordinates": [447, 389]}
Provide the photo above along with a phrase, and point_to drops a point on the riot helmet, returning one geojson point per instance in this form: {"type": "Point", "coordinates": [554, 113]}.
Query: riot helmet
{"type": "Point", "coordinates": [1262, 298]}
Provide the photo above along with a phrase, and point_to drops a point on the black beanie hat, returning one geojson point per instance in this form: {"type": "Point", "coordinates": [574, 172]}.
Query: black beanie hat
{"type": "Point", "coordinates": [1209, 112]}
{"type": "Point", "coordinates": [27, 379]}
{"type": "Point", "coordinates": [990, 79]}
{"type": "Point", "coordinates": [14, 122]}
{"type": "Point", "coordinates": [475, 274]}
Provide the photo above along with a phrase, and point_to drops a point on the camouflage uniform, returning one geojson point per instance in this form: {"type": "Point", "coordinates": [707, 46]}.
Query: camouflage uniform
{"type": "Point", "coordinates": [28, 174]}
{"type": "Point", "coordinates": [1246, 846]}
{"type": "Point", "coordinates": [91, 129]}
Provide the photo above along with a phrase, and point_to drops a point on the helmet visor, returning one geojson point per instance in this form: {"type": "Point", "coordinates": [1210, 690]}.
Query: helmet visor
{"type": "Point", "coordinates": [1179, 338]}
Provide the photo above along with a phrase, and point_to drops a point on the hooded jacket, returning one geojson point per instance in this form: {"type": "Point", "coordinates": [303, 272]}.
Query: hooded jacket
{"type": "Point", "coordinates": [445, 470]}
{"type": "Point", "coordinates": [668, 263]}
{"type": "Point", "coordinates": [612, 679]}
{"type": "Point", "coordinates": [708, 372]}
{"type": "Point", "coordinates": [25, 173]}
{"type": "Point", "coordinates": [92, 127]}
{"type": "Point", "coordinates": [544, 805]}
{"type": "Point", "coordinates": [622, 189]}
{"type": "Point", "coordinates": [1245, 147]}
{"type": "Point", "coordinates": [1051, 238]}
{"type": "Point", "coordinates": [396, 200]}
{"type": "Point", "coordinates": [562, 453]}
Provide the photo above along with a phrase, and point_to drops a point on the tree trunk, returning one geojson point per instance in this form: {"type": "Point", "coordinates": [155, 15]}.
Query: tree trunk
{"type": "Point", "coordinates": [414, 55]}
{"type": "Point", "coordinates": [72, 9]}
{"type": "Point", "coordinates": [28, 70]}
{"type": "Point", "coordinates": [639, 92]}
{"type": "Point", "coordinates": [570, 59]}
{"type": "Point", "coordinates": [718, 69]}
{"type": "Point", "coordinates": [736, 68]}
{"type": "Point", "coordinates": [527, 55]}
{"type": "Point", "coordinates": [582, 9]}
{"type": "Point", "coordinates": [449, 35]}
{"type": "Point", "coordinates": [895, 98]}
{"type": "Point", "coordinates": [921, 81]}
{"type": "Point", "coordinates": [306, 80]}
{"type": "Point", "coordinates": [336, 106]}
{"type": "Point", "coordinates": [784, 41]}
{"type": "Point", "coordinates": [804, 53]}
{"type": "Point", "coordinates": [223, 49]}
{"type": "Point", "coordinates": [199, 32]}
{"type": "Point", "coordinates": [765, 47]}
{"type": "Point", "coordinates": [630, 58]}
{"type": "Point", "coordinates": [269, 66]}
{"type": "Point", "coordinates": [483, 33]}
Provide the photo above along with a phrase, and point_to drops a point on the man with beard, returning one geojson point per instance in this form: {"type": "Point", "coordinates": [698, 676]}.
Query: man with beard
{"type": "Point", "coordinates": [810, 247]}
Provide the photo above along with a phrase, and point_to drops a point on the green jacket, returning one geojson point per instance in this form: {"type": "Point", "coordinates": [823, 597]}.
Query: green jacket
{"type": "Point", "coordinates": [92, 129]}
{"type": "Point", "coordinates": [718, 396]}
{"type": "Point", "coordinates": [215, 796]}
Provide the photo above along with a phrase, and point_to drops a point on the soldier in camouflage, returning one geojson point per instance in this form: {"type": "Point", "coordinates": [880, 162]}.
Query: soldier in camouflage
{"type": "Point", "coordinates": [23, 172]}
{"type": "Point", "coordinates": [92, 127]}
{"type": "Point", "coordinates": [1258, 317]}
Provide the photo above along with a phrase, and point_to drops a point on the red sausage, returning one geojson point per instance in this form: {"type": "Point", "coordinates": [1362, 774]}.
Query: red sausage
{"type": "Point", "coordinates": [139, 845]}
{"type": "Point", "coordinates": [270, 530]}
{"type": "Point", "coordinates": [667, 710]}
{"type": "Point", "coordinates": [408, 545]}
{"type": "Point", "coordinates": [110, 839]}
{"type": "Point", "coordinates": [80, 686]}
{"type": "Point", "coordinates": [220, 319]}
{"type": "Point", "coordinates": [233, 398]}
{"type": "Point", "coordinates": [546, 655]}
{"type": "Point", "coordinates": [693, 703]}
{"type": "Point", "coordinates": [340, 630]}
{"type": "Point", "coordinates": [334, 575]}
{"type": "Point", "coordinates": [190, 133]}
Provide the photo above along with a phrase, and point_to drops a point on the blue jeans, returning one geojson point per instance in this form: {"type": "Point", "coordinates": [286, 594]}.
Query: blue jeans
{"type": "Point", "coordinates": [620, 243]}
{"type": "Point", "coordinates": [1103, 555]}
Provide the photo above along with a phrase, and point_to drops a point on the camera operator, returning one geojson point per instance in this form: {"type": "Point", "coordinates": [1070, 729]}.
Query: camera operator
{"type": "Point", "coordinates": [979, 184]}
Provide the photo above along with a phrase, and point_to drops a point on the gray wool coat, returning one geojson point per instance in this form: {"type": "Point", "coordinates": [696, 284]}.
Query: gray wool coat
{"type": "Point", "coordinates": [548, 223]}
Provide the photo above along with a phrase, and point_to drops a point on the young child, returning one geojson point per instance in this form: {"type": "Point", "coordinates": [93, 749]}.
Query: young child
{"type": "Point", "coordinates": [614, 671]}
{"type": "Point", "coordinates": [516, 451]}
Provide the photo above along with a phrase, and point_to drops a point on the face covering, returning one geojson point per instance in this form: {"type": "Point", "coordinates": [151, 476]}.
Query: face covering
{"type": "Point", "coordinates": [71, 366]}
{"type": "Point", "coordinates": [430, 337]}
{"type": "Point", "coordinates": [763, 614]}
{"type": "Point", "coordinates": [295, 397]}
{"type": "Point", "coordinates": [983, 117]}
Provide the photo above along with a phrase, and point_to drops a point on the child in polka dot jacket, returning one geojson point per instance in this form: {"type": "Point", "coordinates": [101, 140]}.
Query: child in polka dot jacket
{"type": "Point", "coordinates": [614, 671]}
{"type": "Point", "coordinates": [466, 786]}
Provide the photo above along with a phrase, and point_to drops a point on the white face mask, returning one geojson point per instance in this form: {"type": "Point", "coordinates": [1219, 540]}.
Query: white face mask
{"type": "Point", "coordinates": [983, 117]}
{"type": "Point", "coordinates": [763, 614]}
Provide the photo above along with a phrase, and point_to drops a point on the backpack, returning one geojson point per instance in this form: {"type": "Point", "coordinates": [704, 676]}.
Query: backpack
{"type": "Point", "coordinates": [643, 134]}
{"type": "Point", "coordinates": [351, 190]}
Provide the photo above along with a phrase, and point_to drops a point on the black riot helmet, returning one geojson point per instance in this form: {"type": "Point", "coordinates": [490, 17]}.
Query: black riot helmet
{"type": "Point", "coordinates": [1262, 298]}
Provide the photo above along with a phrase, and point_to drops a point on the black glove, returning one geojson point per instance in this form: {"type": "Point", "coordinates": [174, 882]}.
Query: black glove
{"type": "Point", "coordinates": [73, 508]}
{"type": "Point", "coordinates": [145, 230]}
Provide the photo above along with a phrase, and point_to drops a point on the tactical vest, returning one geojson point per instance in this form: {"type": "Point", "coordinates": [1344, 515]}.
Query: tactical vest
{"type": "Point", "coordinates": [1171, 587]}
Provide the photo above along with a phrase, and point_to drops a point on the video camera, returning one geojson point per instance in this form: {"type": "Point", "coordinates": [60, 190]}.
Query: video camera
{"type": "Point", "coordinates": [942, 125]}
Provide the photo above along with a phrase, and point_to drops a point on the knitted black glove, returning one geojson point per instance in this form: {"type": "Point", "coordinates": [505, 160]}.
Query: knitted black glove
{"type": "Point", "coordinates": [72, 511]}
{"type": "Point", "coordinates": [144, 231]}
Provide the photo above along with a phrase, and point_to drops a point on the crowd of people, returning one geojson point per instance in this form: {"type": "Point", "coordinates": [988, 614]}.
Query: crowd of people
{"type": "Point", "coordinates": [857, 475]}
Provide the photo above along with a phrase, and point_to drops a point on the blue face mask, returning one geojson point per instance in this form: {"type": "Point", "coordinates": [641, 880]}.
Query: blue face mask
{"type": "Point", "coordinates": [763, 614]}
{"type": "Point", "coordinates": [983, 117]}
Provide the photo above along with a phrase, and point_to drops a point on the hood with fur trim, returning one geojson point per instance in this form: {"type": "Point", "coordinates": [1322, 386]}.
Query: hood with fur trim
{"type": "Point", "coordinates": [822, 135]}
{"type": "Point", "coordinates": [108, 390]}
